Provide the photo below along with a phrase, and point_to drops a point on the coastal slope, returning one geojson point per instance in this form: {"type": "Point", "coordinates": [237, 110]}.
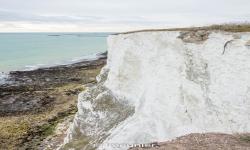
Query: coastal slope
{"type": "Point", "coordinates": [36, 105]}
{"type": "Point", "coordinates": [172, 83]}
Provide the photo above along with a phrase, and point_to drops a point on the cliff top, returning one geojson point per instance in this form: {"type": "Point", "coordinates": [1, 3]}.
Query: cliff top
{"type": "Point", "coordinates": [224, 27]}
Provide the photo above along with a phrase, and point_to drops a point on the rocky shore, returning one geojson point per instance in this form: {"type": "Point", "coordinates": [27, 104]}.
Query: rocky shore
{"type": "Point", "coordinates": [36, 106]}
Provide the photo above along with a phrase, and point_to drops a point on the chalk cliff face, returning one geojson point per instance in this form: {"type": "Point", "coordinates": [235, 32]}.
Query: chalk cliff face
{"type": "Point", "coordinates": [168, 84]}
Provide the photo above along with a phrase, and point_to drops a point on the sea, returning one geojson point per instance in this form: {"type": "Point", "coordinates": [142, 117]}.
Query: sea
{"type": "Point", "coordinates": [27, 51]}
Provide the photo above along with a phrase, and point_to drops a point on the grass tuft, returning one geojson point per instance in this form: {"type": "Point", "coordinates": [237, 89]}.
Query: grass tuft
{"type": "Point", "coordinates": [245, 138]}
{"type": "Point", "coordinates": [243, 27]}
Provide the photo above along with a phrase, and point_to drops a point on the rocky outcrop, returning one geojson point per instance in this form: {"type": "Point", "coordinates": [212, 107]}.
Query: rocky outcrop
{"type": "Point", "coordinates": [194, 36]}
{"type": "Point", "coordinates": [173, 83]}
{"type": "Point", "coordinates": [29, 90]}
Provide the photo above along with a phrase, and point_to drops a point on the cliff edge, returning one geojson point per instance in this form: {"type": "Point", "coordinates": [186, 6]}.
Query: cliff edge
{"type": "Point", "coordinates": [161, 85]}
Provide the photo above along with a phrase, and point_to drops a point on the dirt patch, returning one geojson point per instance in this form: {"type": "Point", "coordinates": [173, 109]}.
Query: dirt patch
{"type": "Point", "coordinates": [207, 141]}
{"type": "Point", "coordinates": [194, 36]}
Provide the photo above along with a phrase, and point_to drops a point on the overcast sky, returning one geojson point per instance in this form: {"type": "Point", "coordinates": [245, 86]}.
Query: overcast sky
{"type": "Point", "coordinates": [116, 15]}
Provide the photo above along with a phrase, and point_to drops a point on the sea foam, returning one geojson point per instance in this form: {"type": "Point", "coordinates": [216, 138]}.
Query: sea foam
{"type": "Point", "coordinates": [3, 77]}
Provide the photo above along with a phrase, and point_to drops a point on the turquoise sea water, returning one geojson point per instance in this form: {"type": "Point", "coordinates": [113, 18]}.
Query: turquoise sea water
{"type": "Point", "coordinates": [23, 51]}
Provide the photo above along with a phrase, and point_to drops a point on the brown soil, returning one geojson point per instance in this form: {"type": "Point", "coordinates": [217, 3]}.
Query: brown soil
{"type": "Point", "coordinates": [207, 141]}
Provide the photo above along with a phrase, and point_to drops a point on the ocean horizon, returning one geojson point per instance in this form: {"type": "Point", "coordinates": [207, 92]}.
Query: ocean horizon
{"type": "Point", "coordinates": [28, 51]}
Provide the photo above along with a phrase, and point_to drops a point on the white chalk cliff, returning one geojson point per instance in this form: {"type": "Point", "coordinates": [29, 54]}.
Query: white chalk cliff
{"type": "Point", "coordinates": [165, 84]}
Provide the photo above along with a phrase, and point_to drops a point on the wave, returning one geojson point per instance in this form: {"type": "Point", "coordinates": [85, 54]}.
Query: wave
{"type": "Point", "coordinates": [85, 58]}
{"type": "Point", "coordinates": [90, 57]}
{"type": "Point", "coordinates": [3, 77]}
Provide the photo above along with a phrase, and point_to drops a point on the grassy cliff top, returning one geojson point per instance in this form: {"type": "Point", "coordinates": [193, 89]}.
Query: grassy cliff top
{"type": "Point", "coordinates": [224, 27]}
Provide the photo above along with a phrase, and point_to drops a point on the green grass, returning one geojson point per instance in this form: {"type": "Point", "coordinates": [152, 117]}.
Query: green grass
{"type": "Point", "coordinates": [230, 27]}
{"type": "Point", "coordinates": [48, 129]}
{"type": "Point", "coordinates": [245, 138]}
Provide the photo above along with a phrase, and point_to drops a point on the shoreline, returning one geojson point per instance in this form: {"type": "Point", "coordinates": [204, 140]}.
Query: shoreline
{"type": "Point", "coordinates": [33, 103]}
{"type": "Point", "coordinates": [4, 76]}
{"type": "Point", "coordinates": [31, 67]}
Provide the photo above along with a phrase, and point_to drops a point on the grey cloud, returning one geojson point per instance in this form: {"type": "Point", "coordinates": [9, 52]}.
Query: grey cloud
{"type": "Point", "coordinates": [14, 16]}
{"type": "Point", "coordinates": [124, 12]}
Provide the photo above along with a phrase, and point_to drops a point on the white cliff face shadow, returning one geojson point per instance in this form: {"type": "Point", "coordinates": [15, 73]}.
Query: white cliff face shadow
{"type": "Point", "coordinates": [175, 87]}
{"type": "Point", "coordinates": [98, 112]}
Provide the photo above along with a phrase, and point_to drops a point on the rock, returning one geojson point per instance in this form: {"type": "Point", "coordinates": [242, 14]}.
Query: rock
{"type": "Point", "coordinates": [47, 79]}
{"type": "Point", "coordinates": [248, 44]}
{"type": "Point", "coordinates": [237, 36]}
{"type": "Point", "coordinates": [194, 36]}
